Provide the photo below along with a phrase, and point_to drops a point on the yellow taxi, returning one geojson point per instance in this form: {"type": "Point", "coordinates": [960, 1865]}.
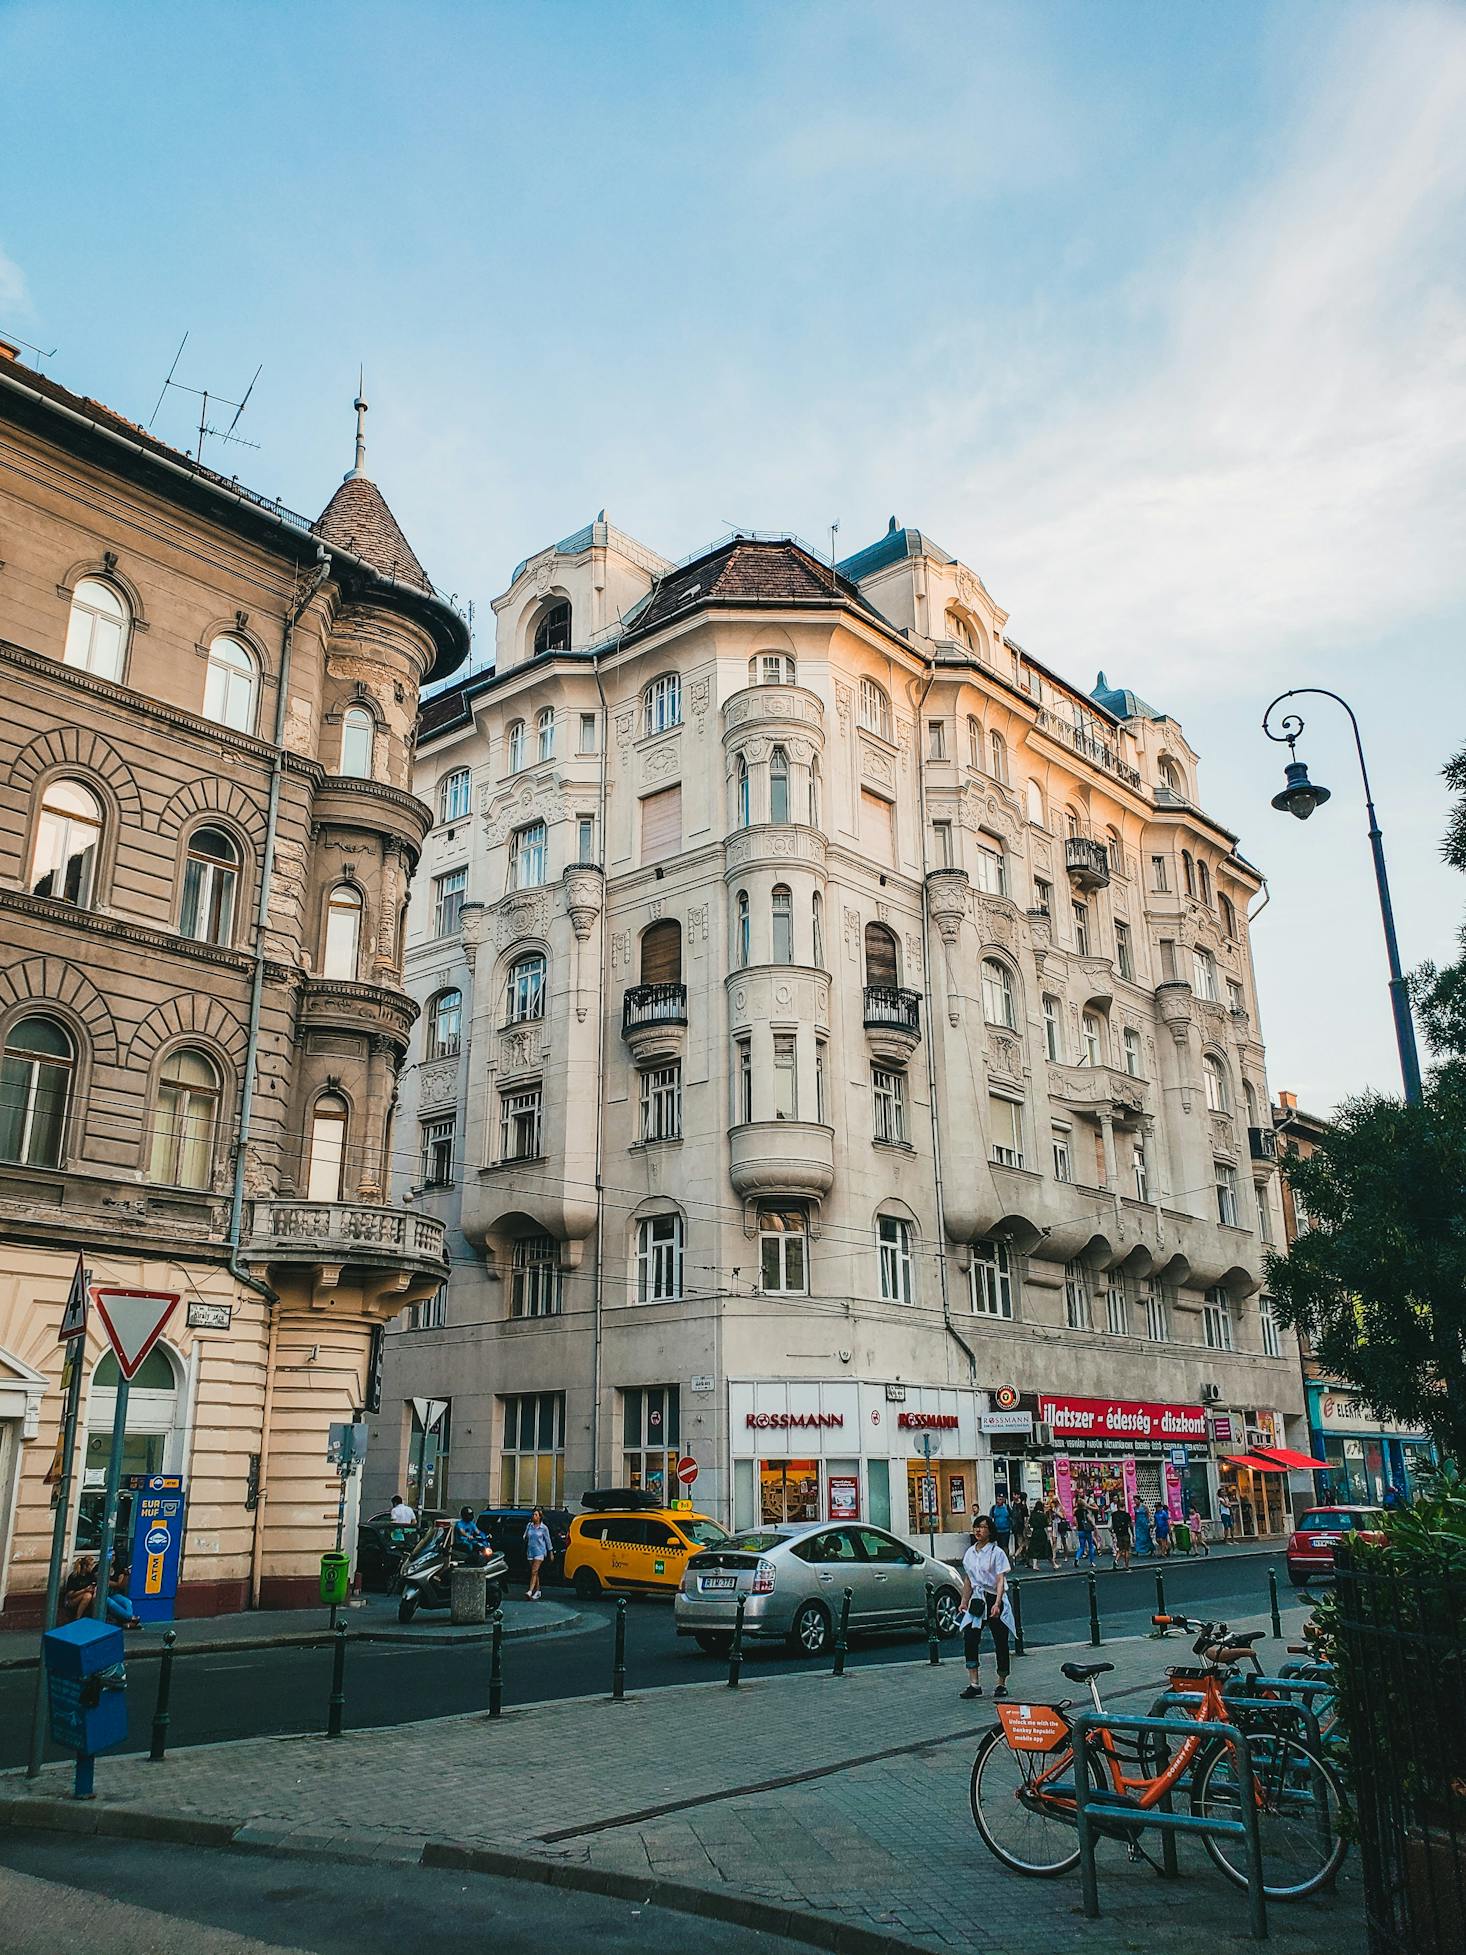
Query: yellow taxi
{"type": "Point", "coordinates": [642, 1550]}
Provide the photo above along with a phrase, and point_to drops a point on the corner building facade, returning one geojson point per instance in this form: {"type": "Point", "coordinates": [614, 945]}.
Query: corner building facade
{"type": "Point", "coordinates": [838, 1040]}
{"type": "Point", "coordinates": [207, 831]}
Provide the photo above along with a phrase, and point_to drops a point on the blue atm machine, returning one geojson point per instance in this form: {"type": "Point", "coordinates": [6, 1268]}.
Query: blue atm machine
{"type": "Point", "coordinates": [159, 1505]}
{"type": "Point", "coordinates": [87, 1688]}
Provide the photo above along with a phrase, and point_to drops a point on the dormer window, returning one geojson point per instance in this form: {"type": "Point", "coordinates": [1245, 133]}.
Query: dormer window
{"type": "Point", "coordinates": [771, 669]}
{"type": "Point", "coordinates": [552, 633]}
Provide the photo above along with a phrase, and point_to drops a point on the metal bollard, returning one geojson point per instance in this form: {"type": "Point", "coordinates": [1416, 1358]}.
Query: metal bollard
{"type": "Point", "coordinates": [1272, 1594]}
{"type": "Point", "coordinates": [1094, 1621]}
{"type": "Point", "coordinates": [496, 1666]}
{"type": "Point", "coordinates": [933, 1641]}
{"type": "Point", "coordinates": [618, 1666]}
{"type": "Point", "coordinates": [1015, 1589]}
{"type": "Point", "coordinates": [735, 1651]}
{"type": "Point", "coordinates": [165, 1692]}
{"type": "Point", "coordinates": [842, 1632]}
{"type": "Point", "coordinates": [1160, 1632]}
{"type": "Point", "coordinates": [338, 1683]}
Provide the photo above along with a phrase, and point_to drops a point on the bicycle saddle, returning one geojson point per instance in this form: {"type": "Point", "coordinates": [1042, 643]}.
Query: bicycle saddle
{"type": "Point", "coordinates": [1082, 1672]}
{"type": "Point", "coordinates": [1246, 1636]}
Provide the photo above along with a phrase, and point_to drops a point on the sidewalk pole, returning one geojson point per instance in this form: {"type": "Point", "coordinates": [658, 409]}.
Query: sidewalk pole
{"type": "Point", "coordinates": [1272, 1592]}
{"type": "Point", "coordinates": [59, 1524]}
{"type": "Point", "coordinates": [1015, 1589]}
{"type": "Point", "coordinates": [842, 1632]}
{"type": "Point", "coordinates": [165, 1692]}
{"type": "Point", "coordinates": [1160, 1630]}
{"type": "Point", "coordinates": [618, 1665]}
{"type": "Point", "coordinates": [735, 1650]}
{"type": "Point", "coordinates": [1094, 1621]}
{"type": "Point", "coordinates": [933, 1641]}
{"type": "Point", "coordinates": [496, 1665]}
{"type": "Point", "coordinates": [338, 1683]}
{"type": "Point", "coordinates": [110, 1499]}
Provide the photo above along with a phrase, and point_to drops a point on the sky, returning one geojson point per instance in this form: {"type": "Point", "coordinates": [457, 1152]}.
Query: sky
{"type": "Point", "coordinates": [1153, 314]}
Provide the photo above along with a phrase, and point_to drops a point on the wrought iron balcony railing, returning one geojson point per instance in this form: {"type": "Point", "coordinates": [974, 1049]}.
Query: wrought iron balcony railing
{"type": "Point", "coordinates": [653, 1004]}
{"type": "Point", "coordinates": [889, 1007]}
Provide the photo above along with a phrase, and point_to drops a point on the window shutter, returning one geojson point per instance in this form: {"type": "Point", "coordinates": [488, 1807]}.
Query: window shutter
{"type": "Point", "coordinates": [661, 954]}
{"type": "Point", "coordinates": [880, 955]}
{"type": "Point", "coordinates": [661, 824]}
{"type": "Point", "coordinates": [877, 838]}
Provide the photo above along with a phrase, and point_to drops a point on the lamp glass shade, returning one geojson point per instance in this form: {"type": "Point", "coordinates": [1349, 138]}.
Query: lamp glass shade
{"type": "Point", "coordinates": [1301, 796]}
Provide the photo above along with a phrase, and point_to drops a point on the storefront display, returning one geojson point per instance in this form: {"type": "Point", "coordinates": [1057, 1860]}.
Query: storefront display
{"type": "Point", "coordinates": [1111, 1453]}
{"type": "Point", "coordinates": [1366, 1455]}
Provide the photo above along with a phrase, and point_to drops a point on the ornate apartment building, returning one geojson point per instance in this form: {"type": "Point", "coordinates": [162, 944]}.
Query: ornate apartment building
{"type": "Point", "coordinates": [207, 832]}
{"type": "Point", "coordinates": [838, 1038]}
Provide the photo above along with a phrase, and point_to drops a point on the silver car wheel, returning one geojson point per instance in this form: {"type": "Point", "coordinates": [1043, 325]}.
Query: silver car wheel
{"type": "Point", "coordinates": [811, 1631]}
{"type": "Point", "coordinates": [948, 1612]}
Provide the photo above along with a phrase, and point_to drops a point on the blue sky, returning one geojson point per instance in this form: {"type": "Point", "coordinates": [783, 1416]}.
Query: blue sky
{"type": "Point", "coordinates": [1152, 313]}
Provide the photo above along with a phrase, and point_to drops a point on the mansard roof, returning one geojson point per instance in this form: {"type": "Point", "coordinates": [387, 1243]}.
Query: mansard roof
{"type": "Point", "coordinates": [747, 570]}
{"type": "Point", "coordinates": [894, 547]}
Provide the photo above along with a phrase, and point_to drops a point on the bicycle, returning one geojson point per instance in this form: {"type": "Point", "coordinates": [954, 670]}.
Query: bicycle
{"type": "Point", "coordinates": [1022, 1787]}
{"type": "Point", "coordinates": [1323, 1704]}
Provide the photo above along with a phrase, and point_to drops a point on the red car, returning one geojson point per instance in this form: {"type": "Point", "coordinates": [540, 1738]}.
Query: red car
{"type": "Point", "coordinates": [1311, 1545]}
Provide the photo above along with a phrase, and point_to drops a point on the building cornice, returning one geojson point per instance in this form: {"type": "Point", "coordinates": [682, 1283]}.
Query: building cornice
{"type": "Point", "coordinates": [96, 923]}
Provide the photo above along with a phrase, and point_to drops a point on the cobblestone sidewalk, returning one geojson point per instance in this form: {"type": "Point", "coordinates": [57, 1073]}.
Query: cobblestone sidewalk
{"type": "Point", "coordinates": [841, 1803]}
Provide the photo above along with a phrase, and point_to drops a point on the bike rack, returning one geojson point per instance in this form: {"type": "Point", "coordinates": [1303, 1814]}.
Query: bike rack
{"type": "Point", "coordinates": [1090, 1805]}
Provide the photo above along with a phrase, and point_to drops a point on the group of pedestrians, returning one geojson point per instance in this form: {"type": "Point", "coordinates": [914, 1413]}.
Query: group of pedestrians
{"type": "Point", "coordinates": [1038, 1534]}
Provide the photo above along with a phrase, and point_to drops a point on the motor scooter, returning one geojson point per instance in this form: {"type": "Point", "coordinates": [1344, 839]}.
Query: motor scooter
{"type": "Point", "coordinates": [425, 1579]}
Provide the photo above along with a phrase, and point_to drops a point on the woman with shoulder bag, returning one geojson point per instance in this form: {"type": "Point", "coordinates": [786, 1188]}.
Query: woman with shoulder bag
{"type": "Point", "coordinates": [985, 1605]}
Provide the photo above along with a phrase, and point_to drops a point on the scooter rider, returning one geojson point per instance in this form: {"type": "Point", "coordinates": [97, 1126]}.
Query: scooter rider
{"type": "Point", "coordinates": [468, 1539]}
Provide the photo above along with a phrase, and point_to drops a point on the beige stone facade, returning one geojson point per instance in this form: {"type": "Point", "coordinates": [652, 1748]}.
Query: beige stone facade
{"type": "Point", "coordinates": [206, 838]}
{"type": "Point", "coordinates": [838, 1031]}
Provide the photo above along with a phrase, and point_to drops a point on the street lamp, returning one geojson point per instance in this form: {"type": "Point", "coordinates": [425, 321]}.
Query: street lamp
{"type": "Point", "coordinates": [1299, 797]}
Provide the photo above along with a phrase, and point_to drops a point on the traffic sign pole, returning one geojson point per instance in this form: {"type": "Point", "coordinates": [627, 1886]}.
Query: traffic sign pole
{"type": "Point", "coordinates": [76, 1346]}
{"type": "Point", "coordinates": [109, 1500]}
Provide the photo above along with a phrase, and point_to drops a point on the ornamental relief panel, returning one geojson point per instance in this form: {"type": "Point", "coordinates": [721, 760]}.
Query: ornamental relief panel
{"type": "Point", "coordinates": [771, 843]}
{"type": "Point", "coordinates": [699, 697]}
{"type": "Point", "coordinates": [697, 924]}
{"type": "Point", "coordinates": [662, 762]}
{"type": "Point", "coordinates": [997, 920]}
{"type": "Point", "coordinates": [522, 916]}
{"type": "Point", "coordinates": [757, 996]}
{"type": "Point", "coordinates": [437, 1083]}
{"type": "Point", "coordinates": [536, 800]}
{"type": "Point", "coordinates": [1005, 1055]}
{"type": "Point", "coordinates": [788, 703]}
{"type": "Point", "coordinates": [1222, 1137]}
{"type": "Point", "coordinates": [522, 1050]}
{"type": "Point", "coordinates": [876, 764]}
{"type": "Point", "coordinates": [842, 705]}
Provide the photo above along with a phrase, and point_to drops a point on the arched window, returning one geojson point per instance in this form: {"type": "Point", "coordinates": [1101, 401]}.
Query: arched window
{"type": "Point", "coordinates": [1035, 804]}
{"type": "Point", "coordinates": [778, 785]}
{"type": "Point", "coordinates": [1170, 773]}
{"type": "Point", "coordinates": [445, 1024]}
{"type": "Point", "coordinates": [210, 885]}
{"type": "Point", "coordinates": [547, 734]}
{"type": "Point", "coordinates": [35, 1092]}
{"type": "Point", "coordinates": [1073, 826]}
{"type": "Point", "coordinates": [875, 709]}
{"type": "Point", "coordinates": [231, 686]}
{"type": "Point", "coordinates": [455, 792]}
{"type": "Point", "coordinates": [974, 741]}
{"type": "Point", "coordinates": [663, 703]}
{"type": "Point", "coordinates": [814, 791]}
{"type": "Point", "coordinates": [1188, 872]}
{"type": "Point", "coordinates": [960, 631]}
{"type": "Point", "coordinates": [524, 992]}
{"type": "Point", "coordinates": [742, 946]}
{"type": "Point", "coordinates": [1203, 882]}
{"type": "Point", "coordinates": [744, 809]}
{"type": "Point", "coordinates": [1229, 915]}
{"type": "Point", "coordinates": [1092, 1052]}
{"type": "Point", "coordinates": [782, 926]}
{"type": "Point", "coordinates": [881, 964]}
{"type": "Point", "coordinates": [1249, 1095]}
{"type": "Point", "coordinates": [357, 731]}
{"type": "Point", "coordinates": [552, 633]}
{"type": "Point", "coordinates": [1214, 1076]}
{"type": "Point", "coordinates": [771, 669]}
{"type": "Point", "coordinates": [661, 953]}
{"type": "Point", "coordinates": [327, 1162]}
{"type": "Point", "coordinates": [182, 1153]}
{"type": "Point", "coordinates": [659, 1259]}
{"type": "Point", "coordinates": [68, 844]}
{"type": "Point", "coordinates": [97, 630]}
{"type": "Point", "coordinates": [514, 746]}
{"type": "Point", "coordinates": [343, 932]}
{"type": "Point", "coordinates": [817, 928]}
{"type": "Point", "coordinates": [998, 749]}
{"type": "Point", "coordinates": [998, 1006]}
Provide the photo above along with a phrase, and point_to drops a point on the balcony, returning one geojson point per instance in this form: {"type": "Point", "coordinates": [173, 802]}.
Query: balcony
{"type": "Point", "coordinates": [1262, 1143]}
{"type": "Point", "coordinates": [1089, 744]}
{"type": "Point", "coordinates": [336, 1005]}
{"type": "Point", "coordinates": [1088, 862]}
{"type": "Point", "coordinates": [393, 1256]}
{"type": "Point", "coordinates": [892, 1020]}
{"type": "Point", "coordinates": [654, 1020]}
{"type": "Point", "coordinates": [782, 1157]}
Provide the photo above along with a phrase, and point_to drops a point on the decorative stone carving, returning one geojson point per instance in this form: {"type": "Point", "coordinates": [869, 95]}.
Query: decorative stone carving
{"type": "Point", "coordinates": [1005, 1055]}
{"type": "Point", "coordinates": [948, 896]}
{"type": "Point", "coordinates": [1040, 935]}
{"type": "Point", "coordinates": [997, 920]}
{"type": "Point", "coordinates": [1174, 1003]}
{"type": "Point", "coordinates": [523, 916]}
{"type": "Point", "coordinates": [473, 922]}
{"type": "Point", "coordinates": [852, 934]}
{"type": "Point", "coordinates": [913, 953]}
{"type": "Point", "coordinates": [437, 1083]}
{"type": "Point", "coordinates": [876, 764]}
{"type": "Point", "coordinates": [967, 587]}
{"type": "Point", "coordinates": [533, 800]}
{"type": "Point", "coordinates": [518, 1052]}
{"type": "Point", "coordinates": [883, 912]}
{"type": "Point", "coordinates": [662, 761]}
{"type": "Point", "coordinates": [584, 895]}
{"type": "Point", "coordinates": [842, 705]}
{"type": "Point", "coordinates": [757, 750]}
{"type": "Point", "coordinates": [1223, 1139]}
{"type": "Point", "coordinates": [697, 923]}
{"type": "Point", "coordinates": [620, 950]}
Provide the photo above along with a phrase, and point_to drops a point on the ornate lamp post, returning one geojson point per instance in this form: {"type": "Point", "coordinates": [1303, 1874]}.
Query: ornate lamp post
{"type": "Point", "coordinates": [1299, 798]}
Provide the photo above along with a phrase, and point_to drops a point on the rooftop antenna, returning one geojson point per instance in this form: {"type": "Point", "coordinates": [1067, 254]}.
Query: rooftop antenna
{"type": "Point", "coordinates": [204, 397]}
{"type": "Point", "coordinates": [41, 353]}
{"type": "Point", "coordinates": [834, 532]}
{"type": "Point", "coordinates": [358, 471]}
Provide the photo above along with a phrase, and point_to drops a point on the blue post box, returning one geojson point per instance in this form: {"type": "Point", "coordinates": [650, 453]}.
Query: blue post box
{"type": "Point", "coordinates": [87, 1687]}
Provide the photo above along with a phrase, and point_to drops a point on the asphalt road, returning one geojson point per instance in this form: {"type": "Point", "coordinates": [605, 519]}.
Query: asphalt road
{"type": "Point", "coordinates": [253, 1693]}
{"type": "Point", "coordinates": [133, 1897]}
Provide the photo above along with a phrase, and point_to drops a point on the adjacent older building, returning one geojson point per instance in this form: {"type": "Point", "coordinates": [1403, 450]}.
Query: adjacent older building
{"type": "Point", "coordinates": [839, 1040]}
{"type": "Point", "coordinates": [207, 832]}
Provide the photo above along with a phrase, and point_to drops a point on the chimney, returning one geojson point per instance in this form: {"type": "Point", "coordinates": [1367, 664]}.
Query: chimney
{"type": "Point", "coordinates": [7, 351]}
{"type": "Point", "coordinates": [1288, 1100]}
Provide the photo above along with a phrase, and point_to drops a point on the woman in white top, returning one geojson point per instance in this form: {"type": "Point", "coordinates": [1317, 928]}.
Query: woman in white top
{"type": "Point", "coordinates": [985, 1604]}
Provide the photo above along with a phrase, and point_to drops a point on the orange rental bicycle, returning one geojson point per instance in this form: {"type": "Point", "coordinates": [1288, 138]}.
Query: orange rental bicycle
{"type": "Point", "coordinates": [1023, 1785]}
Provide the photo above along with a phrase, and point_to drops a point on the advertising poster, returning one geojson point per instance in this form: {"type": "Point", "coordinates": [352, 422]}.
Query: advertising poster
{"type": "Point", "coordinates": [1173, 1493]}
{"type": "Point", "coordinates": [957, 1493]}
{"type": "Point", "coordinates": [1127, 1476]}
{"type": "Point", "coordinates": [844, 1497]}
{"type": "Point", "coordinates": [1064, 1486]}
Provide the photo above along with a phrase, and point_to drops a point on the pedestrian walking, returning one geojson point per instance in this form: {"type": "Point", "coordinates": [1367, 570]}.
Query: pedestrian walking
{"type": "Point", "coordinates": [1019, 1550]}
{"type": "Point", "coordinates": [1227, 1518]}
{"type": "Point", "coordinates": [985, 1605]}
{"type": "Point", "coordinates": [1199, 1542]}
{"type": "Point", "coordinates": [537, 1551]}
{"type": "Point", "coordinates": [1162, 1529]}
{"type": "Point", "coordinates": [1084, 1535]}
{"type": "Point", "coordinates": [1001, 1516]}
{"type": "Point", "coordinates": [1062, 1530]}
{"type": "Point", "coordinates": [401, 1514]}
{"type": "Point", "coordinates": [1142, 1528]}
{"type": "Point", "coordinates": [1120, 1535]}
{"type": "Point", "coordinates": [1040, 1542]}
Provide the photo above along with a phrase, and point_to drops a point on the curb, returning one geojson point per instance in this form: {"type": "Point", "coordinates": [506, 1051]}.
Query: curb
{"type": "Point", "coordinates": [321, 1638]}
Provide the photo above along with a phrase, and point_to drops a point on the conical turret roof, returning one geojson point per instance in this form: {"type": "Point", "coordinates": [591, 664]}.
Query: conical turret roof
{"type": "Point", "coordinates": [357, 519]}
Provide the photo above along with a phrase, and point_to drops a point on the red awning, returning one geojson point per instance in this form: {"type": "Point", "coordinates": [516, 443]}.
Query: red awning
{"type": "Point", "coordinates": [1295, 1462]}
{"type": "Point", "coordinates": [1254, 1462]}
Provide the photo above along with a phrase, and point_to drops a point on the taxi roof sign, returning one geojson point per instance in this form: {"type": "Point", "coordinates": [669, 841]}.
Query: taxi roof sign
{"type": "Point", "coordinates": [133, 1321]}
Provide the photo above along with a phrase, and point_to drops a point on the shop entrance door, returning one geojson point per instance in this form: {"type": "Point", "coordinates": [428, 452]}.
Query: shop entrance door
{"type": "Point", "coordinates": [789, 1490]}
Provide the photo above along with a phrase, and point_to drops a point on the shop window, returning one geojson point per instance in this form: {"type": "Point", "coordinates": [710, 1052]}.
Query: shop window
{"type": "Point", "coordinates": [782, 1249]}
{"type": "Point", "coordinates": [532, 1470]}
{"type": "Point", "coordinates": [991, 1279]}
{"type": "Point", "coordinates": [650, 1439]}
{"type": "Point", "coordinates": [789, 1490]}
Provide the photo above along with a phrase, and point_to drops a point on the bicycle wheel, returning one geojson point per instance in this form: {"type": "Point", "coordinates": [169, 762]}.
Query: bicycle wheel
{"type": "Point", "coordinates": [1299, 1804]}
{"type": "Point", "coordinates": [1028, 1841]}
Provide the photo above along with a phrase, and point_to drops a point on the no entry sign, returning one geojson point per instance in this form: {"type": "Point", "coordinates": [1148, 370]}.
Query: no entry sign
{"type": "Point", "coordinates": [687, 1469]}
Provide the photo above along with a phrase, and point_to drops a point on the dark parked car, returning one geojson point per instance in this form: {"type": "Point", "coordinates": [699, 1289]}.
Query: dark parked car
{"type": "Point", "coordinates": [505, 1528]}
{"type": "Point", "coordinates": [381, 1543]}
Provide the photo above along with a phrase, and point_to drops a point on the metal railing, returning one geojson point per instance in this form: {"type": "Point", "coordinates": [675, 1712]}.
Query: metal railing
{"type": "Point", "coordinates": [334, 1224]}
{"type": "Point", "coordinates": [1262, 1143]}
{"type": "Point", "coordinates": [890, 1007]}
{"type": "Point", "coordinates": [653, 1004]}
{"type": "Point", "coordinates": [1089, 745]}
{"type": "Point", "coordinates": [1087, 859]}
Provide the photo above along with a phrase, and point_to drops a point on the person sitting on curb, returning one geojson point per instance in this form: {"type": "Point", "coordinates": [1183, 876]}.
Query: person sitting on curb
{"type": "Point", "coordinates": [985, 1605]}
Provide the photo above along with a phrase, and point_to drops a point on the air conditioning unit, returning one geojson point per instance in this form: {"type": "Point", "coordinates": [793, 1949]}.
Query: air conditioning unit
{"type": "Point", "coordinates": [1043, 1435]}
{"type": "Point", "coordinates": [1210, 1394]}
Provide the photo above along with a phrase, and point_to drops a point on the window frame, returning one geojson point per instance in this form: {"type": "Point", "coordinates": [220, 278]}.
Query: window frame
{"type": "Point", "coordinates": [661, 1103]}
{"type": "Point", "coordinates": [171, 1141]}
{"type": "Point", "coordinates": [775, 1246]}
{"type": "Point", "coordinates": [36, 1089]}
{"type": "Point", "coordinates": [895, 1239]}
{"type": "Point", "coordinates": [990, 1280]}
{"type": "Point", "coordinates": [330, 1114]}
{"type": "Point", "coordinates": [232, 672]}
{"type": "Point", "coordinates": [660, 1245]}
{"type": "Point", "coordinates": [441, 1045]}
{"type": "Point", "coordinates": [210, 887]}
{"type": "Point", "coordinates": [873, 708]}
{"type": "Point", "coordinates": [1078, 1298]}
{"type": "Point", "coordinates": [80, 606]}
{"type": "Point", "coordinates": [1225, 1182]}
{"type": "Point", "coordinates": [437, 1153]}
{"type": "Point", "coordinates": [534, 1279]}
{"type": "Point", "coordinates": [353, 719]}
{"type": "Point", "coordinates": [343, 899]}
{"type": "Point", "coordinates": [999, 989]}
{"type": "Point", "coordinates": [888, 1105]}
{"type": "Point", "coordinates": [529, 856]}
{"type": "Point", "coordinates": [661, 704]}
{"type": "Point", "coordinates": [54, 830]}
{"type": "Point", "coordinates": [524, 988]}
{"type": "Point", "coordinates": [448, 902]}
{"type": "Point", "coordinates": [455, 795]}
{"type": "Point", "coordinates": [521, 1118]}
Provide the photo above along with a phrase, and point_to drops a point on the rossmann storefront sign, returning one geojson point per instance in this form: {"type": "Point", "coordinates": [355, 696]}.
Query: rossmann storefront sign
{"type": "Point", "coordinates": [1121, 1421]}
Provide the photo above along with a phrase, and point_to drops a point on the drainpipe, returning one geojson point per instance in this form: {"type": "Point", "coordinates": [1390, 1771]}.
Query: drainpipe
{"type": "Point", "coordinates": [931, 1057]}
{"type": "Point", "coordinates": [600, 1275]}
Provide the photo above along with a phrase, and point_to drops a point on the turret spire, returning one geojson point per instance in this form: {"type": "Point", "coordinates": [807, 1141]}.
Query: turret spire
{"type": "Point", "coordinates": [359, 472]}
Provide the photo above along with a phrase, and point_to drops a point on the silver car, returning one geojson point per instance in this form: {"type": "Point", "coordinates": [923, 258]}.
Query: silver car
{"type": "Point", "coordinates": [793, 1581]}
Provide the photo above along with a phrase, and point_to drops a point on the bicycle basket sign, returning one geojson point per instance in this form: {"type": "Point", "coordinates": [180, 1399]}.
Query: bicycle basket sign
{"type": "Point", "coordinates": [1033, 1727]}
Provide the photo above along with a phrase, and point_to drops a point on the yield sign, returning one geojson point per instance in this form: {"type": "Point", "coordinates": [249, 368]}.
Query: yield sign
{"type": "Point", "coordinates": [133, 1321]}
{"type": "Point", "coordinates": [429, 1411]}
{"type": "Point", "coordinates": [74, 1316]}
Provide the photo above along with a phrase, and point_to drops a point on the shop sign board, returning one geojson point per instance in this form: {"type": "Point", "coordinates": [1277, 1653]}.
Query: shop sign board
{"type": "Point", "coordinates": [1344, 1411]}
{"type": "Point", "coordinates": [801, 1421]}
{"type": "Point", "coordinates": [1006, 1421]}
{"type": "Point", "coordinates": [1121, 1419]}
{"type": "Point", "coordinates": [895, 1394]}
{"type": "Point", "coordinates": [1221, 1428]}
{"type": "Point", "coordinates": [1004, 1397]}
{"type": "Point", "coordinates": [927, 1421]}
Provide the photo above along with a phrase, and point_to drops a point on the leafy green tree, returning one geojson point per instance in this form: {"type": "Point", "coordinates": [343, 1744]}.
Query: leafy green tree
{"type": "Point", "coordinates": [1376, 1281]}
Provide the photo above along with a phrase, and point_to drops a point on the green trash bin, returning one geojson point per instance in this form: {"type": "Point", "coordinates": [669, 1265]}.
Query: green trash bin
{"type": "Point", "coordinates": [1181, 1537]}
{"type": "Point", "coordinates": [335, 1578]}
